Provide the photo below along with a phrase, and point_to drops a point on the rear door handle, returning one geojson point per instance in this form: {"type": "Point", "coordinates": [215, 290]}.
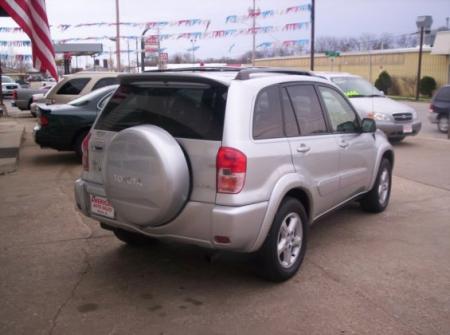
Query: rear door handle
{"type": "Point", "coordinates": [303, 148]}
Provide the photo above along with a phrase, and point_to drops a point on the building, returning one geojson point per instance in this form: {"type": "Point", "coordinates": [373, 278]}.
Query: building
{"type": "Point", "coordinates": [401, 64]}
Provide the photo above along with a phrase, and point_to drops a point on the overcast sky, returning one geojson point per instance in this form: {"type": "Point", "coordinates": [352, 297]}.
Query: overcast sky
{"type": "Point", "coordinates": [333, 18]}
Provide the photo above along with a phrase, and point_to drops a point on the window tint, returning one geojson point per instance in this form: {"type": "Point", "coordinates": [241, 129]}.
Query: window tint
{"type": "Point", "coordinates": [186, 110]}
{"type": "Point", "coordinates": [443, 94]}
{"type": "Point", "coordinates": [343, 118]}
{"type": "Point", "coordinates": [290, 124]}
{"type": "Point", "coordinates": [73, 86]}
{"type": "Point", "coordinates": [105, 82]}
{"type": "Point", "coordinates": [307, 109]}
{"type": "Point", "coordinates": [267, 118]}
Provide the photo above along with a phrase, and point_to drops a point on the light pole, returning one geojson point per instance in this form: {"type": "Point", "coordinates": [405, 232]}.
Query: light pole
{"type": "Point", "coordinates": [117, 36]}
{"type": "Point", "coordinates": [424, 24]}
{"type": "Point", "coordinates": [313, 14]}
{"type": "Point", "coordinates": [193, 50]}
{"type": "Point", "coordinates": [143, 48]}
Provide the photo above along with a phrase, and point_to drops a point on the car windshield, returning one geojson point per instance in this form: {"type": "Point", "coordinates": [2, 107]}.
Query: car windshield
{"type": "Point", "coordinates": [6, 79]}
{"type": "Point", "coordinates": [94, 95]}
{"type": "Point", "coordinates": [355, 87]}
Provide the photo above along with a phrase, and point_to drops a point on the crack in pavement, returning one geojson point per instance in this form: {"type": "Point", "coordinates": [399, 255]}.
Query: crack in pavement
{"type": "Point", "coordinates": [364, 297]}
{"type": "Point", "coordinates": [72, 292]}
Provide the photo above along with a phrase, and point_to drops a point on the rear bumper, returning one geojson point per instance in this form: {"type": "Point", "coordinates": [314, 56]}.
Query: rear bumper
{"type": "Point", "coordinates": [45, 140]}
{"type": "Point", "coordinates": [393, 130]}
{"type": "Point", "coordinates": [198, 223]}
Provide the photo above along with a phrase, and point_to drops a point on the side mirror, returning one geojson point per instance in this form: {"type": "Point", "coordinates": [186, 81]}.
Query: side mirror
{"type": "Point", "coordinates": [368, 126]}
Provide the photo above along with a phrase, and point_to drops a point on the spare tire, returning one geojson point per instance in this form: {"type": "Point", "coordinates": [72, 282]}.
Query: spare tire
{"type": "Point", "coordinates": [146, 176]}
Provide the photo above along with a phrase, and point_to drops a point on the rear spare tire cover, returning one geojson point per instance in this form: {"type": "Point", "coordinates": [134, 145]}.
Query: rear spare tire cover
{"type": "Point", "coordinates": [146, 176]}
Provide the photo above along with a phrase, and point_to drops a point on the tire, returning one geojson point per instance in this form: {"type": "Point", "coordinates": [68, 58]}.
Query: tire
{"type": "Point", "coordinates": [130, 238]}
{"type": "Point", "coordinates": [396, 139]}
{"type": "Point", "coordinates": [77, 147]}
{"type": "Point", "coordinates": [377, 199]}
{"type": "Point", "coordinates": [276, 266]}
{"type": "Point", "coordinates": [443, 124]}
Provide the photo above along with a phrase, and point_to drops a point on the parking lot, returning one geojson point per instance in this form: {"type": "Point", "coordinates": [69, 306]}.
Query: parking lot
{"type": "Point", "coordinates": [363, 274]}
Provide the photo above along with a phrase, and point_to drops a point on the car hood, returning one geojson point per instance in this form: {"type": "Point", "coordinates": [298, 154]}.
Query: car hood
{"type": "Point", "coordinates": [365, 105]}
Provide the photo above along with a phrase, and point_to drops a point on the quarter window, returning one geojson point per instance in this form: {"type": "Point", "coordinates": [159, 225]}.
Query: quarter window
{"type": "Point", "coordinates": [343, 118]}
{"type": "Point", "coordinates": [307, 109]}
{"type": "Point", "coordinates": [73, 86]}
{"type": "Point", "coordinates": [267, 118]}
{"type": "Point", "coordinates": [105, 82]}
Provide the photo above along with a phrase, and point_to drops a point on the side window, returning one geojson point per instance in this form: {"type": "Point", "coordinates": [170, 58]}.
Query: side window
{"type": "Point", "coordinates": [267, 118]}
{"type": "Point", "coordinates": [343, 118]}
{"type": "Point", "coordinates": [105, 82]}
{"type": "Point", "coordinates": [307, 110]}
{"type": "Point", "coordinates": [73, 86]}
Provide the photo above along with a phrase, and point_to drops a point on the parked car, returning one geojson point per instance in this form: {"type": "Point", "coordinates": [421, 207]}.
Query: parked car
{"type": "Point", "coordinates": [8, 86]}
{"type": "Point", "coordinates": [76, 85]}
{"type": "Point", "coordinates": [395, 119]}
{"type": "Point", "coordinates": [241, 161]}
{"type": "Point", "coordinates": [23, 97]}
{"type": "Point", "coordinates": [63, 127]}
{"type": "Point", "coordinates": [440, 108]}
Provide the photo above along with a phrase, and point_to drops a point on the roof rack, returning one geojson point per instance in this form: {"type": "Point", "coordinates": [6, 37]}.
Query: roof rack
{"type": "Point", "coordinates": [200, 69]}
{"type": "Point", "coordinates": [244, 74]}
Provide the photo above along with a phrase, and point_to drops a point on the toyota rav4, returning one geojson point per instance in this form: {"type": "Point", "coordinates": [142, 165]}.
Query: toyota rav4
{"type": "Point", "coordinates": [233, 160]}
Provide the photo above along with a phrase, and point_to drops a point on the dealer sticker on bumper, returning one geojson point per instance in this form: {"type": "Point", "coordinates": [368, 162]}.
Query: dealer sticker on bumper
{"type": "Point", "coordinates": [407, 128]}
{"type": "Point", "coordinates": [101, 206]}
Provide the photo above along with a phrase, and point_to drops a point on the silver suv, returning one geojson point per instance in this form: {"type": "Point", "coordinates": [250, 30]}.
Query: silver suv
{"type": "Point", "coordinates": [230, 160]}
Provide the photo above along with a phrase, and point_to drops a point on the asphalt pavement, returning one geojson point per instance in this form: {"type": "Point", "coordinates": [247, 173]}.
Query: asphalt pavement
{"type": "Point", "coordinates": [363, 274]}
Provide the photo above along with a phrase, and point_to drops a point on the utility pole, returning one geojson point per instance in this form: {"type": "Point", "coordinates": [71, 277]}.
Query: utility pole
{"type": "Point", "coordinates": [313, 14]}
{"type": "Point", "coordinates": [193, 50]}
{"type": "Point", "coordinates": [254, 32]}
{"type": "Point", "coordinates": [117, 36]}
{"type": "Point", "coordinates": [128, 53]}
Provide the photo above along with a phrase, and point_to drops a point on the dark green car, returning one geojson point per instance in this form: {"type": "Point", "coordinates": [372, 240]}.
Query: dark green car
{"type": "Point", "coordinates": [63, 127]}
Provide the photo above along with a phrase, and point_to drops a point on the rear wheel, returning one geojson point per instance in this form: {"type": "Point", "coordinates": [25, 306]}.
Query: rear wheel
{"type": "Point", "coordinates": [378, 197]}
{"type": "Point", "coordinates": [284, 248]}
{"type": "Point", "coordinates": [443, 124]}
{"type": "Point", "coordinates": [396, 139]}
{"type": "Point", "coordinates": [131, 238]}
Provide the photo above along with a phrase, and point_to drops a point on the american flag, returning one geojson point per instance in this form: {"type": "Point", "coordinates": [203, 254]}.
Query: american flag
{"type": "Point", "coordinates": [31, 16]}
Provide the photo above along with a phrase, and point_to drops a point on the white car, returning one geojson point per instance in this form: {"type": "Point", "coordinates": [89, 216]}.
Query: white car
{"type": "Point", "coordinates": [8, 86]}
{"type": "Point", "coordinates": [395, 119]}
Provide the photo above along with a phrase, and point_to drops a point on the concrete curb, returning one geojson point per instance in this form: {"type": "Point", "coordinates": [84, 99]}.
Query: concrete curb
{"type": "Point", "coordinates": [11, 136]}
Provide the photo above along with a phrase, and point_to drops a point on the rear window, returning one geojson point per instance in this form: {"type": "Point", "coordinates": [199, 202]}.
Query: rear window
{"type": "Point", "coordinates": [185, 110]}
{"type": "Point", "coordinates": [73, 86]}
{"type": "Point", "coordinates": [443, 94]}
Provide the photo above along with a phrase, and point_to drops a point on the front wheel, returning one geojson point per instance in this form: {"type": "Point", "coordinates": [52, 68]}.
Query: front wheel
{"type": "Point", "coordinates": [284, 248]}
{"type": "Point", "coordinates": [443, 124]}
{"type": "Point", "coordinates": [378, 197]}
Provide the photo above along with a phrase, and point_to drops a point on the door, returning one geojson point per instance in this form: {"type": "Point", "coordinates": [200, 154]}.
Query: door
{"type": "Point", "coordinates": [357, 149]}
{"type": "Point", "coordinates": [314, 149]}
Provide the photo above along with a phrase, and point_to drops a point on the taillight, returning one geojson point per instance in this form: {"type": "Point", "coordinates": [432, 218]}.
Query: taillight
{"type": "Point", "coordinates": [231, 168]}
{"type": "Point", "coordinates": [43, 120]}
{"type": "Point", "coordinates": [14, 95]}
{"type": "Point", "coordinates": [85, 149]}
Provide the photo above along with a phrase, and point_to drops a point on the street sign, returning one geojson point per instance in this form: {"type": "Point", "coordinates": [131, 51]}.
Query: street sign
{"type": "Point", "coordinates": [332, 53]}
{"type": "Point", "coordinates": [151, 44]}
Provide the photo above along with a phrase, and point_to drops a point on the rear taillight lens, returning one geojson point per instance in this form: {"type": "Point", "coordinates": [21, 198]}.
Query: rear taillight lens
{"type": "Point", "coordinates": [85, 149]}
{"type": "Point", "coordinates": [43, 120]}
{"type": "Point", "coordinates": [231, 168]}
{"type": "Point", "coordinates": [14, 95]}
